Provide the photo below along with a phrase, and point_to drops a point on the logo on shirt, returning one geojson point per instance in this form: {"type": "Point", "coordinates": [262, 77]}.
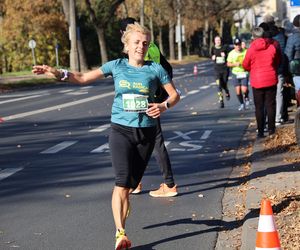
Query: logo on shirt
{"type": "Point", "coordinates": [135, 85]}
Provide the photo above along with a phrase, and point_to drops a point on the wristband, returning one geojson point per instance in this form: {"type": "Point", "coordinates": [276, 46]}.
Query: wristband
{"type": "Point", "coordinates": [63, 75]}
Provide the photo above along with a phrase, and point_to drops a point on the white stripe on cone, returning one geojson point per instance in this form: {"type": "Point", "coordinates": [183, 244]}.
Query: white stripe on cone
{"type": "Point", "coordinates": [266, 224]}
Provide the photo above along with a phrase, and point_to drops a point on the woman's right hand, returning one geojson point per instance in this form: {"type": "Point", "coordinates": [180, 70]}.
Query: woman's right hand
{"type": "Point", "coordinates": [45, 69]}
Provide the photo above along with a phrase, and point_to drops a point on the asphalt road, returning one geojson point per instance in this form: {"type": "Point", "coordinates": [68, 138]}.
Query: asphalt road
{"type": "Point", "coordinates": [56, 178]}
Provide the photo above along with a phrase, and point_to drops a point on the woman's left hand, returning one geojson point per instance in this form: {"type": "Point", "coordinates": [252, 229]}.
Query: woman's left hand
{"type": "Point", "coordinates": [155, 109]}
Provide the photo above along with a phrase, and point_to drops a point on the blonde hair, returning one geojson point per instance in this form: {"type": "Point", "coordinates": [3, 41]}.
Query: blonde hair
{"type": "Point", "coordinates": [136, 27]}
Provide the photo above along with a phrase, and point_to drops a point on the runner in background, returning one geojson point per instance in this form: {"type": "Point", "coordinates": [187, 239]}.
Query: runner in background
{"type": "Point", "coordinates": [168, 188]}
{"type": "Point", "coordinates": [239, 74]}
{"type": "Point", "coordinates": [219, 53]}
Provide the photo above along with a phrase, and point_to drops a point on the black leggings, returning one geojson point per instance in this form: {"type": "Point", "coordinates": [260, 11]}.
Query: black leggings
{"type": "Point", "coordinates": [130, 149]}
{"type": "Point", "coordinates": [162, 157]}
{"type": "Point", "coordinates": [222, 79]}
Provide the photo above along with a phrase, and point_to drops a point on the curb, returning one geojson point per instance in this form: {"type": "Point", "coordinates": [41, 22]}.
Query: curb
{"type": "Point", "coordinates": [269, 173]}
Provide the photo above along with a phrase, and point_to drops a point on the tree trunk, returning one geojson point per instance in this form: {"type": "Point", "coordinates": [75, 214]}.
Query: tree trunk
{"type": "Point", "coordinates": [221, 27]}
{"type": "Point", "coordinates": [171, 40]}
{"type": "Point", "coordinates": [102, 45]}
{"type": "Point", "coordinates": [142, 14]}
{"type": "Point", "coordinates": [151, 29]}
{"type": "Point", "coordinates": [82, 58]}
{"type": "Point", "coordinates": [160, 44]}
{"type": "Point", "coordinates": [81, 53]}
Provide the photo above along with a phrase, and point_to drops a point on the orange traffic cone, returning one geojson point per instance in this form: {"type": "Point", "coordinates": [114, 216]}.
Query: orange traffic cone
{"type": "Point", "coordinates": [195, 70]}
{"type": "Point", "coordinates": [267, 235]}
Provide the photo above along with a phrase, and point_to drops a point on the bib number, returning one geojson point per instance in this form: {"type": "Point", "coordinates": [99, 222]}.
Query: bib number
{"type": "Point", "coordinates": [135, 103]}
{"type": "Point", "coordinates": [220, 59]}
{"type": "Point", "coordinates": [241, 75]}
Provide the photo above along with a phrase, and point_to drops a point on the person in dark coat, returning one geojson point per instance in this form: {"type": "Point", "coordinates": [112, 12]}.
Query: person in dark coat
{"type": "Point", "coordinates": [292, 51]}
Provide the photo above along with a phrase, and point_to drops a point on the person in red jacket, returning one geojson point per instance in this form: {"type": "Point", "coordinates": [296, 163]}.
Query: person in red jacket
{"type": "Point", "coordinates": [262, 60]}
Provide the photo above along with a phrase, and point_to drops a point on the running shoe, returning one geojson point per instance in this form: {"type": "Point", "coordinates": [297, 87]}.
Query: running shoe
{"type": "Point", "coordinates": [138, 189]}
{"type": "Point", "coordinates": [122, 241]}
{"type": "Point", "coordinates": [241, 107]}
{"type": "Point", "coordinates": [221, 104]}
{"type": "Point", "coordinates": [164, 191]}
{"type": "Point", "coordinates": [227, 95]}
{"type": "Point", "coordinates": [247, 103]}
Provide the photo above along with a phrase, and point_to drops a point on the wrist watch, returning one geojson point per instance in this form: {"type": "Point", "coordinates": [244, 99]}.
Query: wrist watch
{"type": "Point", "coordinates": [167, 105]}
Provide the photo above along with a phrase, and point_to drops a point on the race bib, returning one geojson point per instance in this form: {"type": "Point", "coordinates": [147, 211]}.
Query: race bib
{"type": "Point", "coordinates": [241, 75]}
{"type": "Point", "coordinates": [220, 59]}
{"type": "Point", "coordinates": [135, 103]}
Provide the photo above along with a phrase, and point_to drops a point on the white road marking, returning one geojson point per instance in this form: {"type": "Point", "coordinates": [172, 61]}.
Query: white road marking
{"type": "Point", "coordinates": [193, 92]}
{"type": "Point", "coordinates": [58, 147]}
{"type": "Point", "coordinates": [20, 99]}
{"type": "Point", "coordinates": [100, 128]}
{"type": "Point", "coordinates": [65, 91]}
{"type": "Point", "coordinates": [8, 172]}
{"type": "Point", "coordinates": [78, 93]}
{"type": "Point", "coordinates": [206, 134]}
{"type": "Point", "coordinates": [204, 87]}
{"type": "Point", "coordinates": [24, 94]}
{"type": "Point", "coordinates": [56, 107]}
{"type": "Point", "coordinates": [103, 148]}
{"type": "Point", "coordinates": [183, 76]}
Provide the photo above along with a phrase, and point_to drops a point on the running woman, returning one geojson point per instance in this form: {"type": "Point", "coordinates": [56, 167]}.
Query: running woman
{"type": "Point", "coordinates": [134, 116]}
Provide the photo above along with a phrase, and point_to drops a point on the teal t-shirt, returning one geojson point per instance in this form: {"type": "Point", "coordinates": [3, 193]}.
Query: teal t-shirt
{"type": "Point", "coordinates": [129, 80]}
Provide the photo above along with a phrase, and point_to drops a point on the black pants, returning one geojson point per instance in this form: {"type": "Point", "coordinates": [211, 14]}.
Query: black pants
{"type": "Point", "coordinates": [130, 149]}
{"type": "Point", "coordinates": [162, 157]}
{"type": "Point", "coordinates": [222, 79]}
{"type": "Point", "coordinates": [265, 99]}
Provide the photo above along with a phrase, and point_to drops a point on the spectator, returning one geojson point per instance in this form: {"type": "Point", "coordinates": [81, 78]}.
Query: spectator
{"type": "Point", "coordinates": [292, 50]}
{"type": "Point", "coordinates": [262, 60]}
{"type": "Point", "coordinates": [278, 35]}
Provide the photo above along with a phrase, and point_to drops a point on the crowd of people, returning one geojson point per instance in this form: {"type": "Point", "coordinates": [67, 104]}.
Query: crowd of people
{"type": "Point", "coordinates": [270, 66]}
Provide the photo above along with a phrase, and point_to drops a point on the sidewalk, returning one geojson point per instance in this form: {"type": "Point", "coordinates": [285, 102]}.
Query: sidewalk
{"type": "Point", "coordinates": [274, 175]}
{"type": "Point", "coordinates": [268, 168]}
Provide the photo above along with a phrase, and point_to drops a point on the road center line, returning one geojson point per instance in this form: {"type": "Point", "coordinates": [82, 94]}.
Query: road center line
{"type": "Point", "coordinates": [65, 105]}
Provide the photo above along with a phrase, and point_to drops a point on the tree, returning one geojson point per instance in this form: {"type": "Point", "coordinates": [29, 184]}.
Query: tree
{"type": "Point", "coordinates": [101, 13]}
{"type": "Point", "coordinates": [40, 20]}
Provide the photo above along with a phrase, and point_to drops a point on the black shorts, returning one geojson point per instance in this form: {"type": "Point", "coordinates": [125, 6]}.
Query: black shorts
{"type": "Point", "coordinates": [131, 149]}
